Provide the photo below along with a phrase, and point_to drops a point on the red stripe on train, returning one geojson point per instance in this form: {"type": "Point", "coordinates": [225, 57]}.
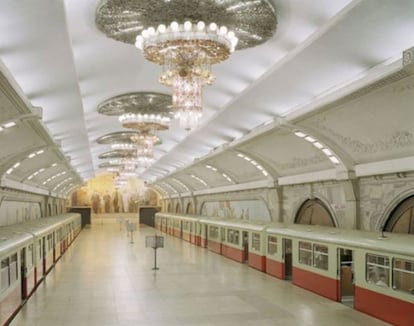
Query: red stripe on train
{"type": "Point", "coordinates": [389, 309]}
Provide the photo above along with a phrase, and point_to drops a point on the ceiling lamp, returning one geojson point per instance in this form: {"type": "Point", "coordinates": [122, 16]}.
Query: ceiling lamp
{"type": "Point", "coordinates": [131, 150]}
{"type": "Point", "coordinates": [186, 52]}
{"type": "Point", "coordinates": [186, 38]}
{"type": "Point", "coordinates": [145, 144]}
{"type": "Point", "coordinates": [140, 111]}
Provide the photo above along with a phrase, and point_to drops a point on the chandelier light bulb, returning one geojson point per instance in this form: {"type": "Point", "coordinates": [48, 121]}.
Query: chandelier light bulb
{"type": "Point", "coordinates": [151, 31]}
{"type": "Point", "coordinates": [139, 42]}
{"type": "Point", "coordinates": [174, 27]}
{"type": "Point", "coordinates": [223, 30]}
{"type": "Point", "coordinates": [162, 29]}
{"type": "Point", "coordinates": [213, 27]}
{"type": "Point", "coordinates": [201, 26]}
{"type": "Point", "coordinates": [187, 26]}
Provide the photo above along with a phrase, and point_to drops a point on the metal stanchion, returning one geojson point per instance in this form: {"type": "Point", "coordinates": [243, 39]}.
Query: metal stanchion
{"type": "Point", "coordinates": [131, 227]}
{"type": "Point", "coordinates": [154, 242]}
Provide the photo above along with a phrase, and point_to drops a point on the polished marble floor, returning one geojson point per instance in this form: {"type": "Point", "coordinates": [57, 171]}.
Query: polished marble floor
{"type": "Point", "coordinates": [104, 279]}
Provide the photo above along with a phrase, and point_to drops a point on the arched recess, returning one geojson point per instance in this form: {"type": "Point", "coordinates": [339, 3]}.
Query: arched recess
{"type": "Point", "coordinates": [49, 210]}
{"type": "Point", "coordinates": [314, 212]}
{"type": "Point", "coordinates": [190, 209]}
{"type": "Point", "coordinates": [401, 219]}
{"type": "Point", "coordinates": [169, 210]}
{"type": "Point", "coordinates": [178, 208]}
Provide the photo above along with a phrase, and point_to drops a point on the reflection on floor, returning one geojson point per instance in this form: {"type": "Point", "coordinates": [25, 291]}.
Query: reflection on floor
{"type": "Point", "coordinates": [103, 279]}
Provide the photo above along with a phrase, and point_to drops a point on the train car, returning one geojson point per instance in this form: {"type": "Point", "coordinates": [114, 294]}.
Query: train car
{"type": "Point", "coordinates": [241, 241]}
{"type": "Point", "coordinates": [187, 227]}
{"type": "Point", "coordinates": [215, 235]}
{"type": "Point", "coordinates": [27, 252]}
{"type": "Point", "coordinates": [13, 247]}
{"type": "Point", "coordinates": [375, 273]}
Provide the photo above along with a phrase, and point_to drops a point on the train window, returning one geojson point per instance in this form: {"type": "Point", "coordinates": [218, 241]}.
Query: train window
{"type": "Point", "coordinates": [305, 253]}
{"type": "Point", "coordinates": [233, 236]}
{"type": "Point", "coordinates": [271, 245]}
{"type": "Point", "coordinates": [256, 241]}
{"type": "Point", "coordinates": [378, 270]}
{"type": "Point", "coordinates": [48, 243]}
{"type": "Point", "coordinates": [14, 272]}
{"type": "Point", "coordinates": [213, 232]}
{"type": "Point", "coordinates": [29, 256]}
{"type": "Point", "coordinates": [403, 275]}
{"type": "Point", "coordinates": [320, 256]}
{"type": "Point", "coordinates": [223, 234]}
{"type": "Point", "coordinates": [5, 276]}
{"type": "Point", "coordinates": [40, 249]}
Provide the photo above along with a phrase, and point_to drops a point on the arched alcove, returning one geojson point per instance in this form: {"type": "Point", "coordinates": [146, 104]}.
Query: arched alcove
{"type": "Point", "coordinates": [314, 212]}
{"type": "Point", "coordinates": [178, 208]}
{"type": "Point", "coordinates": [190, 208]}
{"type": "Point", "coordinates": [401, 219]}
{"type": "Point", "coordinates": [169, 208]}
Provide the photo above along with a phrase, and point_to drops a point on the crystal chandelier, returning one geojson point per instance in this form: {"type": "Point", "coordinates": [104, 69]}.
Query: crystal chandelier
{"type": "Point", "coordinates": [145, 147]}
{"type": "Point", "coordinates": [144, 122]}
{"type": "Point", "coordinates": [145, 144]}
{"type": "Point", "coordinates": [186, 52]}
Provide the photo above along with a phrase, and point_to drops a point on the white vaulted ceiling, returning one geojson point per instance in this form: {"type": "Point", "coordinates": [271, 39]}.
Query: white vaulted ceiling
{"type": "Point", "coordinates": [305, 78]}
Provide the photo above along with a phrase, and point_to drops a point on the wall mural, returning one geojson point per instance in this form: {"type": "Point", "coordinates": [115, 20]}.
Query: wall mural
{"type": "Point", "coordinates": [101, 194]}
{"type": "Point", "coordinates": [241, 209]}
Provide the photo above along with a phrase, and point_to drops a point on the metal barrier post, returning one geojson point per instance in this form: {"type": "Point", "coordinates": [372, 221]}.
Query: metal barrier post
{"type": "Point", "coordinates": [154, 242]}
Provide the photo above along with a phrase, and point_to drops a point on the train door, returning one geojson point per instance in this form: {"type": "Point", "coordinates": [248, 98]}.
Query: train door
{"type": "Point", "coordinates": [23, 270]}
{"type": "Point", "coordinates": [346, 275]}
{"type": "Point", "coordinates": [287, 257]}
{"type": "Point", "coordinates": [246, 246]}
{"type": "Point", "coordinates": [44, 255]}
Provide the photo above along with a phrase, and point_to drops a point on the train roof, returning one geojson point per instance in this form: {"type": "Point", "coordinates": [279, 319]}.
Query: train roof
{"type": "Point", "coordinates": [237, 224]}
{"type": "Point", "coordinates": [10, 239]}
{"type": "Point", "coordinates": [388, 242]}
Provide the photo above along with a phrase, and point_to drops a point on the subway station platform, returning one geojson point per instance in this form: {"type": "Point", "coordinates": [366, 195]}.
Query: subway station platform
{"type": "Point", "coordinates": [104, 279]}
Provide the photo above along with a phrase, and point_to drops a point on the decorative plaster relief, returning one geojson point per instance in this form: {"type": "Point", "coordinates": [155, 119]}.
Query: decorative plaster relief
{"type": "Point", "coordinates": [293, 198]}
{"type": "Point", "coordinates": [300, 162]}
{"type": "Point", "coordinates": [376, 197]}
{"type": "Point", "coordinates": [398, 139]}
{"type": "Point", "coordinates": [241, 209]}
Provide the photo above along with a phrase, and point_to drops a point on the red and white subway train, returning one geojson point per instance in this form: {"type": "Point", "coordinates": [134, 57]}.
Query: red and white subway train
{"type": "Point", "coordinates": [371, 271]}
{"type": "Point", "coordinates": [28, 251]}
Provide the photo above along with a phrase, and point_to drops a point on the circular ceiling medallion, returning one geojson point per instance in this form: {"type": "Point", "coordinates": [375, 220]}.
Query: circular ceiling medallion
{"type": "Point", "coordinates": [142, 111]}
{"type": "Point", "coordinates": [124, 137]}
{"type": "Point", "coordinates": [121, 137]}
{"type": "Point", "coordinates": [108, 165]}
{"type": "Point", "coordinates": [254, 22]}
{"type": "Point", "coordinates": [137, 103]}
{"type": "Point", "coordinates": [119, 153]}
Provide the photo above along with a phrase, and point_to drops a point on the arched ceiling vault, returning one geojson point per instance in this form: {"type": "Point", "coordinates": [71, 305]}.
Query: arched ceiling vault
{"type": "Point", "coordinates": [333, 70]}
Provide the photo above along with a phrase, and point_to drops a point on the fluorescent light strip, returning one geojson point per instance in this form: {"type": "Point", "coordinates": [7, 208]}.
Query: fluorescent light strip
{"type": "Point", "coordinates": [170, 187]}
{"type": "Point", "coordinates": [181, 184]}
{"type": "Point", "coordinates": [62, 182]}
{"type": "Point", "coordinates": [9, 124]}
{"type": "Point", "coordinates": [211, 167]}
{"type": "Point", "coordinates": [318, 145]}
{"type": "Point", "coordinates": [223, 174]}
{"type": "Point", "coordinates": [254, 163]}
{"type": "Point", "coordinates": [199, 179]}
